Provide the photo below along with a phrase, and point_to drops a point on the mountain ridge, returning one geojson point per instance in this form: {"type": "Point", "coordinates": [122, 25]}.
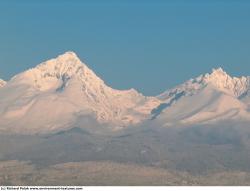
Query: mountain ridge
{"type": "Point", "coordinates": [64, 91]}
{"type": "Point", "coordinates": [218, 78]}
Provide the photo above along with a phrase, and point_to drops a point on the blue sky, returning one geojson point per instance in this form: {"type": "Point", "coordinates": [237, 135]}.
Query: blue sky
{"type": "Point", "coordinates": [148, 45]}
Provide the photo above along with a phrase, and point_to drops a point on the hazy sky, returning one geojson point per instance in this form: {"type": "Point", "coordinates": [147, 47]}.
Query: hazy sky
{"type": "Point", "coordinates": [148, 45]}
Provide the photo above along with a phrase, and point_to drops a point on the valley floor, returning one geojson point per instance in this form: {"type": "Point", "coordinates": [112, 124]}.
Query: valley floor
{"type": "Point", "coordinates": [110, 174]}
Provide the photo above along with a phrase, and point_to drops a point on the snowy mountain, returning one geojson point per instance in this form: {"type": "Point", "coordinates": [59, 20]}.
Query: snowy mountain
{"type": "Point", "coordinates": [218, 78]}
{"type": "Point", "coordinates": [205, 99]}
{"type": "Point", "coordinates": [63, 92]}
{"type": "Point", "coordinates": [61, 112]}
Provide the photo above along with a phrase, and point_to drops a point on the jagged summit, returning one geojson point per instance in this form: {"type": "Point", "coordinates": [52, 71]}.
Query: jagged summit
{"type": "Point", "coordinates": [67, 63]}
{"type": "Point", "coordinates": [69, 54]}
{"type": "Point", "coordinates": [63, 62]}
{"type": "Point", "coordinates": [58, 71]}
{"type": "Point", "coordinates": [231, 85]}
{"type": "Point", "coordinates": [216, 74]}
{"type": "Point", "coordinates": [218, 78]}
{"type": "Point", "coordinates": [218, 71]}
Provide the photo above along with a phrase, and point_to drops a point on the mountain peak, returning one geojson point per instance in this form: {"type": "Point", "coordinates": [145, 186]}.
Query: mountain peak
{"type": "Point", "coordinates": [218, 70]}
{"type": "Point", "coordinates": [64, 63]}
{"type": "Point", "coordinates": [221, 80]}
{"type": "Point", "coordinates": [68, 55]}
{"type": "Point", "coordinates": [72, 53]}
{"type": "Point", "coordinates": [58, 70]}
{"type": "Point", "coordinates": [217, 76]}
{"type": "Point", "coordinates": [219, 73]}
{"type": "Point", "coordinates": [68, 59]}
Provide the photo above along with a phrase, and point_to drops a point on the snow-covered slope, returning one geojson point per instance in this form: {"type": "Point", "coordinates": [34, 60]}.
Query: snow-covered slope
{"type": "Point", "coordinates": [206, 106]}
{"type": "Point", "coordinates": [207, 98]}
{"type": "Point", "coordinates": [59, 91]}
{"type": "Point", "coordinates": [63, 92]}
